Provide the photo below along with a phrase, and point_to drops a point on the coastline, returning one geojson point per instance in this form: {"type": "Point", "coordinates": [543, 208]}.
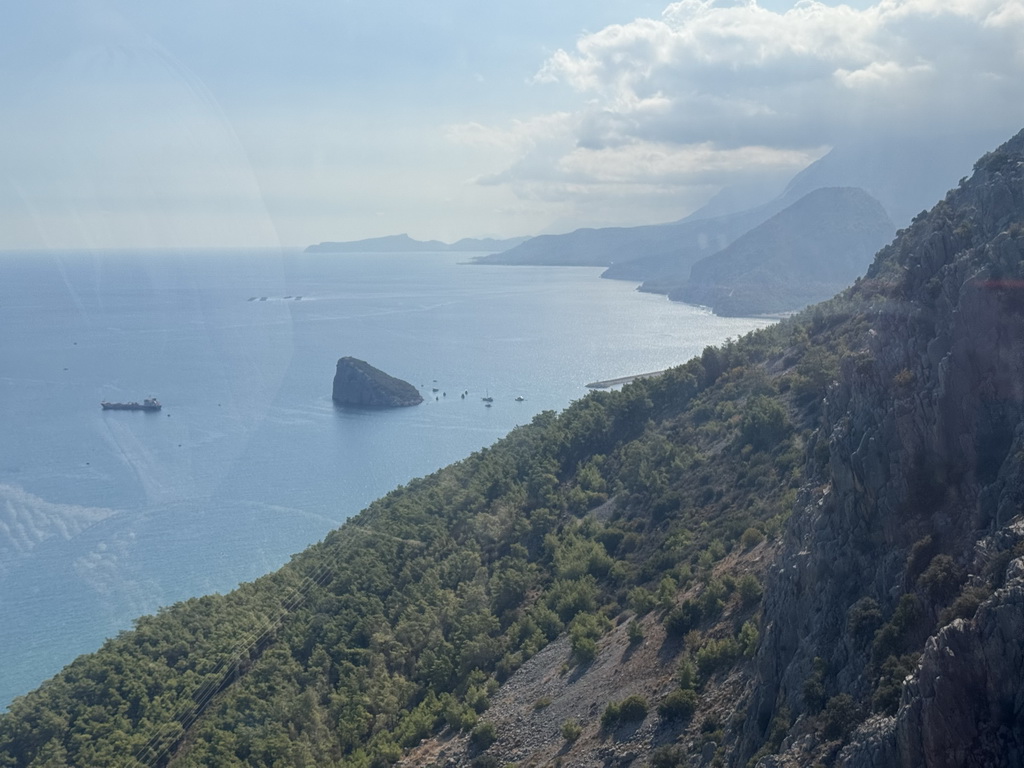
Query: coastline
{"type": "Point", "coordinates": [607, 383]}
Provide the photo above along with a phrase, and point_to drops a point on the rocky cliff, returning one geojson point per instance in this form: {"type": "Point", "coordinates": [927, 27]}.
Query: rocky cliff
{"type": "Point", "coordinates": [358, 383]}
{"type": "Point", "coordinates": [900, 588]}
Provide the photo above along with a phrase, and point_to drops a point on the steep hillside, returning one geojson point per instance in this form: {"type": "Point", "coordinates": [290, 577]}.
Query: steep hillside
{"type": "Point", "coordinates": [805, 254]}
{"type": "Point", "coordinates": [803, 547]}
{"type": "Point", "coordinates": [903, 556]}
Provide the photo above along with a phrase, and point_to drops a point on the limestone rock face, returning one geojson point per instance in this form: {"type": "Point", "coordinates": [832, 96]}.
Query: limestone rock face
{"type": "Point", "coordinates": [918, 451]}
{"type": "Point", "coordinates": [358, 383]}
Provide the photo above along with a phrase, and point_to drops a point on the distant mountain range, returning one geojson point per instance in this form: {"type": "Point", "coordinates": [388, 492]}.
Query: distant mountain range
{"type": "Point", "coordinates": [902, 177]}
{"type": "Point", "coordinates": [405, 244]}
{"type": "Point", "coordinates": [804, 254]}
{"type": "Point", "coordinates": [791, 263]}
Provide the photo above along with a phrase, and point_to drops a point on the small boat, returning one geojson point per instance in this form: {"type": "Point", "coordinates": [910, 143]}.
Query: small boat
{"type": "Point", "coordinates": [520, 398]}
{"type": "Point", "coordinates": [149, 404]}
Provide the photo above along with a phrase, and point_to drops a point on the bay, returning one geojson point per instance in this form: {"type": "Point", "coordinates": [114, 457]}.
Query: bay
{"type": "Point", "coordinates": [107, 515]}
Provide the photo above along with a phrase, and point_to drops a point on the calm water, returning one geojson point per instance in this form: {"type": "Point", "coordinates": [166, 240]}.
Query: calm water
{"type": "Point", "coordinates": [108, 515]}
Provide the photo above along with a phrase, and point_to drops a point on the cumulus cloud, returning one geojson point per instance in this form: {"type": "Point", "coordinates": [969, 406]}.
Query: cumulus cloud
{"type": "Point", "coordinates": [742, 75]}
{"type": "Point", "coordinates": [712, 91]}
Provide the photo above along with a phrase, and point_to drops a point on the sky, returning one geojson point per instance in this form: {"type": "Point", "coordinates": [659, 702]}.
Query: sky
{"type": "Point", "coordinates": [131, 124]}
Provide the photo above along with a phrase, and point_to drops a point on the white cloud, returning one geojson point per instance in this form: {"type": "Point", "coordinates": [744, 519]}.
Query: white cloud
{"type": "Point", "coordinates": [714, 90]}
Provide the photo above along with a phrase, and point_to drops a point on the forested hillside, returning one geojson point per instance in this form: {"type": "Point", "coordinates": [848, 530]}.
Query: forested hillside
{"type": "Point", "coordinates": [810, 536]}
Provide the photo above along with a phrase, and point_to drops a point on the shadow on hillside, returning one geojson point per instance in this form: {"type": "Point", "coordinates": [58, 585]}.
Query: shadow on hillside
{"type": "Point", "coordinates": [670, 649]}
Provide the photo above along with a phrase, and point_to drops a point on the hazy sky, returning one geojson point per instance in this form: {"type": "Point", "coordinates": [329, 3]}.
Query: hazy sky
{"type": "Point", "coordinates": [222, 122]}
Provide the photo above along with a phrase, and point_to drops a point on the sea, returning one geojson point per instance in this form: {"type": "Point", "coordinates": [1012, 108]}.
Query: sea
{"type": "Point", "coordinates": [109, 515]}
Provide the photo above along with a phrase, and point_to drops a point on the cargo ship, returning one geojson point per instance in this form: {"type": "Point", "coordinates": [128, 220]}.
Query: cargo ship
{"type": "Point", "coordinates": [149, 404]}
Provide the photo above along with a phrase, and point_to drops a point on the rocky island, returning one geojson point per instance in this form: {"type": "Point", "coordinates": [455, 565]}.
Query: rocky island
{"type": "Point", "coordinates": [358, 383]}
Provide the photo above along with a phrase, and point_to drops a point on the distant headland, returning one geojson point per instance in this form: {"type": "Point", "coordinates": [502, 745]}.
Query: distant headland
{"type": "Point", "coordinates": [406, 244]}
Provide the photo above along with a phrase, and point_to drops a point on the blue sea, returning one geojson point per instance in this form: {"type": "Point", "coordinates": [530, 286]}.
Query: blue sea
{"type": "Point", "coordinates": [107, 515]}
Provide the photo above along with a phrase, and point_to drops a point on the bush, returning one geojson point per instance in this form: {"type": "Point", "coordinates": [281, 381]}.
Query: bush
{"type": "Point", "coordinates": [941, 579]}
{"type": "Point", "coordinates": [610, 716]}
{"type": "Point", "coordinates": [748, 638]}
{"type": "Point", "coordinates": [751, 538]}
{"type": "Point", "coordinates": [669, 756]}
{"type": "Point", "coordinates": [764, 423]}
{"type": "Point", "coordinates": [716, 655]}
{"type": "Point", "coordinates": [966, 604]}
{"type": "Point", "coordinates": [483, 735]}
{"type": "Point", "coordinates": [584, 632]}
{"type": "Point", "coordinates": [686, 673]}
{"type": "Point", "coordinates": [863, 618]}
{"type": "Point", "coordinates": [678, 705]}
{"type": "Point", "coordinates": [839, 717]}
{"type": "Point", "coordinates": [571, 729]}
{"type": "Point", "coordinates": [640, 600]}
{"type": "Point", "coordinates": [635, 632]}
{"type": "Point", "coordinates": [683, 618]}
{"type": "Point", "coordinates": [814, 686]}
{"type": "Point", "coordinates": [750, 589]}
{"type": "Point", "coordinates": [628, 710]}
{"type": "Point", "coordinates": [891, 639]}
{"type": "Point", "coordinates": [889, 689]}
{"type": "Point", "coordinates": [633, 708]}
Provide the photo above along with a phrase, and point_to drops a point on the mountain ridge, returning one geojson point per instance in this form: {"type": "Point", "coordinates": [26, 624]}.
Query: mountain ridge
{"type": "Point", "coordinates": [806, 253]}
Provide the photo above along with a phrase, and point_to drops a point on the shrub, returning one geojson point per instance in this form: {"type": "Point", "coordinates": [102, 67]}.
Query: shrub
{"type": "Point", "coordinates": [941, 579]}
{"type": "Point", "coordinates": [678, 705]}
{"type": "Point", "coordinates": [712, 599]}
{"type": "Point", "coordinates": [748, 638]}
{"type": "Point", "coordinates": [966, 604]}
{"type": "Point", "coordinates": [584, 631]}
{"type": "Point", "coordinates": [610, 716]}
{"type": "Point", "coordinates": [633, 708]}
{"type": "Point", "coordinates": [863, 618]}
{"type": "Point", "coordinates": [668, 756]}
{"type": "Point", "coordinates": [635, 632]}
{"type": "Point", "coordinates": [716, 655]}
{"type": "Point", "coordinates": [891, 639]}
{"type": "Point", "coordinates": [839, 717]}
{"type": "Point", "coordinates": [889, 689]}
{"type": "Point", "coordinates": [483, 735]}
{"type": "Point", "coordinates": [628, 710]}
{"type": "Point", "coordinates": [683, 618]}
{"type": "Point", "coordinates": [640, 600]}
{"type": "Point", "coordinates": [750, 589]}
{"type": "Point", "coordinates": [764, 423]}
{"type": "Point", "coordinates": [571, 729]}
{"type": "Point", "coordinates": [686, 673]}
{"type": "Point", "coordinates": [750, 538]}
{"type": "Point", "coordinates": [584, 649]}
{"type": "Point", "coordinates": [814, 686]}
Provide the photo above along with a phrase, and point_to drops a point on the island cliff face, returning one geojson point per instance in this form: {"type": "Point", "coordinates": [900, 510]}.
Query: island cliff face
{"type": "Point", "coordinates": [358, 383]}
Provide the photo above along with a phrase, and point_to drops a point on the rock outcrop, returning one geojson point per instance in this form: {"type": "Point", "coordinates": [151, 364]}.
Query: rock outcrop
{"type": "Point", "coordinates": [909, 525]}
{"type": "Point", "coordinates": [358, 383]}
